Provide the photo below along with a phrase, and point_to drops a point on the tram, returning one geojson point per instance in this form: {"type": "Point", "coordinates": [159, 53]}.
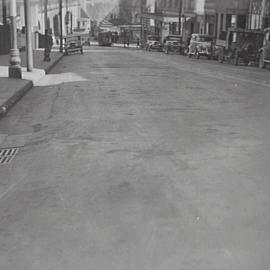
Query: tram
{"type": "Point", "coordinates": [105, 38]}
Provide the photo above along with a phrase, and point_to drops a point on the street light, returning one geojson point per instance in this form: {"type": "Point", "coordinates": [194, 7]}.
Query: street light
{"type": "Point", "coordinates": [29, 50]}
{"type": "Point", "coordinates": [61, 24]}
{"type": "Point", "coordinates": [14, 70]}
{"type": "Point", "coordinates": [4, 11]}
{"type": "Point", "coordinates": [263, 14]}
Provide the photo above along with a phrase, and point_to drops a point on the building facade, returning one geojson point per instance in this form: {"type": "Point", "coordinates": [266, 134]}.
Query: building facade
{"type": "Point", "coordinates": [259, 14]}
{"type": "Point", "coordinates": [232, 13]}
{"type": "Point", "coordinates": [211, 17]}
{"type": "Point", "coordinates": [71, 10]}
{"type": "Point", "coordinates": [162, 17]}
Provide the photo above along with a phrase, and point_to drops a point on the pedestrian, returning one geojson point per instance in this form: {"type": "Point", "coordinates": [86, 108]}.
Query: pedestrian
{"type": "Point", "coordinates": [48, 46]}
{"type": "Point", "coordinates": [128, 42]}
{"type": "Point", "coordinates": [138, 42]}
{"type": "Point", "coordinates": [124, 43]}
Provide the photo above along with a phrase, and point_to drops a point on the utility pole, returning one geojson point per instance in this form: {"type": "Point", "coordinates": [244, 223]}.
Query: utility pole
{"type": "Point", "coordinates": [141, 20]}
{"type": "Point", "coordinates": [14, 70]}
{"type": "Point", "coordinates": [61, 24]}
{"type": "Point", "coordinates": [46, 14]}
{"type": "Point", "coordinates": [29, 49]}
{"type": "Point", "coordinates": [183, 7]}
{"type": "Point", "coordinates": [179, 17]}
{"type": "Point", "coordinates": [67, 19]}
{"type": "Point", "coordinates": [4, 8]}
{"type": "Point", "coordinates": [263, 14]}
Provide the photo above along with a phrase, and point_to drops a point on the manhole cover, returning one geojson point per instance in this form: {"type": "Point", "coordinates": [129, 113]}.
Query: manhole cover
{"type": "Point", "coordinates": [7, 154]}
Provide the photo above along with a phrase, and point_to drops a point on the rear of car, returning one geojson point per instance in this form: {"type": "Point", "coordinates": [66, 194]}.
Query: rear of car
{"type": "Point", "coordinates": [205, 46]}
{"type": "Point", "coordinates": [174, 43]}
{"type": "Point", "coordinates": [201, 45]}
{"type": "Point", "coordinates": [153, 43]}
{"type": "Point", "coordinates": [265, 50]}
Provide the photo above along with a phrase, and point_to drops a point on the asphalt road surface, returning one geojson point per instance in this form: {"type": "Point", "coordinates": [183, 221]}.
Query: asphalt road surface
{"type": "Point", "coordinates": [134, 160]}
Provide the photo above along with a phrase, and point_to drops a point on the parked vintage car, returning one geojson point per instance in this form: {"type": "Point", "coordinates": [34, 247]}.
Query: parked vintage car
{"type": "Point", "coordinates": [200, 45]}
{"type": "Point", "coordinates": [85, 35]}
{"type": "Point", "coordinates": [241, 46]}
{"type": "Point", "coordinates": [265, 50]}
{"type": "Point", "coordinates": [174, 43]}
{"type": "Point", "coordinates": [73, 44]}
{"type": "Point", "coordinates": [153, 43]}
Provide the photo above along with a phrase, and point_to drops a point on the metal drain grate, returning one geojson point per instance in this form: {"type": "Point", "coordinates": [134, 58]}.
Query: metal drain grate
{"type": "Point", "coordinates": [7, 155]}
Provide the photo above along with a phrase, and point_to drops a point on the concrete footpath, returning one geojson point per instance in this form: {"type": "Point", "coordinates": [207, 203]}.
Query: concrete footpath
{"type": "Point", "coordinates": [12, 90]}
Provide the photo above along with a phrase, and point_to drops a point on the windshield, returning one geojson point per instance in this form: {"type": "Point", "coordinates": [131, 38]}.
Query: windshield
{"type": "Point", "coordinates": [177, 39]}
{"type": "Point", "coordinates": [152, 38]}
{"type": "Point", "coordinates": [205, 39]}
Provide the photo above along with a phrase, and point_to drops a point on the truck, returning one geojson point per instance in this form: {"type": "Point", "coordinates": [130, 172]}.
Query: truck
{"type": "Point", "coordinates": [265, 50]}
{"type": "Point", "coordinates": [241, 46]}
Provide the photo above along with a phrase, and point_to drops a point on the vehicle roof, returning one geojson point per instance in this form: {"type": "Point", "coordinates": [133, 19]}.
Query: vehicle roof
{"type": "Point", "coordinates": [241, 30]}
{"type": "Point", "coordinates": [202, 35]}
{"type": "Point", "coordinates": [174, 36]}
{"type": "Point", "coordinates": [75, 34]}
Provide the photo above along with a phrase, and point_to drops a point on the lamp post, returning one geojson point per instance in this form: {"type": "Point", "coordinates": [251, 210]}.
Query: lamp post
{"type": "Point", "coordinates": [4, 8]}
{"type": "Point", "coordinates": [46, 15]}
{"type": "Point", "coordinates": [29, 49]}
{"type": "Point", "coordinates": [61, 24]}
{"type": "Point", "coordinates": [179, 17]}
{"type": "Point", "coordinates": [263, 14]}
{"type": "Point", "coordinates": [14, 70]}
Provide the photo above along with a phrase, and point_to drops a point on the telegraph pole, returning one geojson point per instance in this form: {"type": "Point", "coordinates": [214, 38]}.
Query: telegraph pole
{"type": "Point", "coordinates": [46, 15]}
{"type": "Point", "coordinates": [29, 49]}
{"type": "Point", "coordinates": [263, 13]}
{"type": "Point", "coordinates": [4, 8]}
{"type": "Point", "coordinates": [67, 18]}
{"type": "Point", "coordinates": [179, 17]}
{"type": "Point", "coordinates": [61, 24]}
{"type": "Point", "coordinates": [14, 70]}
{"type": "Point", "coordinates": [141, 20]}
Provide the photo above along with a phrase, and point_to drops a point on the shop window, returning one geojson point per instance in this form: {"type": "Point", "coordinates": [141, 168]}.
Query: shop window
{"type": "Point", "coordinates": [228, 21]}
{"type": "Point", "coordinates": [241, 21]}
{"type": "Point", "coordinates": [221, 22]}
{"type": "Point", "coordinates": [211, 28]}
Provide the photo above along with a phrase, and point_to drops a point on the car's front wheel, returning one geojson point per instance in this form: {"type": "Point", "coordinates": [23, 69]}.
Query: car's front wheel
{"type": "Point", "coordinates": [261, 61]}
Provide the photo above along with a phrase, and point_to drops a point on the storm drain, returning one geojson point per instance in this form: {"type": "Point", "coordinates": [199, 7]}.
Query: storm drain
{"type": "Point", "coordinates": [7, 155]}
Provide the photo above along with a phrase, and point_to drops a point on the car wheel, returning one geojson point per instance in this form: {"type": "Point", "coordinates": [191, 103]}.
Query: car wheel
{"type": "Point", "coordinates": [236, 59]}
{"type": "Point", "coordinates": [261, 61]}
{"type": "Point", "coordinates": [246, 62]}
{"type": "Point", "coordinates": [220, 58]}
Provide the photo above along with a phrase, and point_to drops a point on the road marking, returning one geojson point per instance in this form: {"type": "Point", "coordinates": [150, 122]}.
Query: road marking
{"type": "Point", "coordinates": [7, 155]}
{"type": "Point", "coordinates": [2, 195]}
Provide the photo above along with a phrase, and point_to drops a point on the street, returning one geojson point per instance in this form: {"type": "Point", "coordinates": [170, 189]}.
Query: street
{"type": "Point", "coordinates": [135, 160]}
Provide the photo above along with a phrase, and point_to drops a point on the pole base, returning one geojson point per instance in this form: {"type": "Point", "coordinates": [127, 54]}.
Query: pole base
{"type": "Point", "coordinates": [15, 72]}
